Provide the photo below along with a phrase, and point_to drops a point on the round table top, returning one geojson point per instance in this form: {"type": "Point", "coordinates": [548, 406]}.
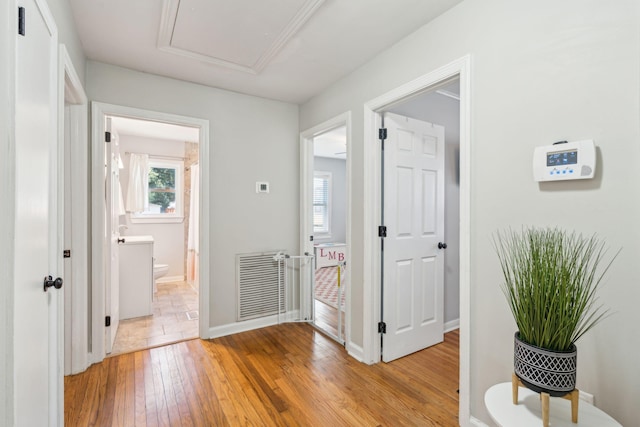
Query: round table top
{"type": "Point", "coordinates": [528, 411]}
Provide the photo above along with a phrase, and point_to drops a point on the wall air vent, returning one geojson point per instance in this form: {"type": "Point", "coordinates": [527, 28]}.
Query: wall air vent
{"type": "Point", "coordinates": [260, 285]}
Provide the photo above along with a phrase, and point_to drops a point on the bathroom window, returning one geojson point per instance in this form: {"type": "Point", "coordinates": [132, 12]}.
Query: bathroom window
{"type": "Point", "coordinates": [164, 203]}
{"type": "Point", "coordinates": [321, 202]}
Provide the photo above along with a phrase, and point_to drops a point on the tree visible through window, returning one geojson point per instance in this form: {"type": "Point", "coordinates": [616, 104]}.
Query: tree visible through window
{"type": "Point", "coordinates": [321, 202]}
{"type": "Point", "coordinates": [162, 190]}
{"type": "Point", "coordinates": [164, 202]}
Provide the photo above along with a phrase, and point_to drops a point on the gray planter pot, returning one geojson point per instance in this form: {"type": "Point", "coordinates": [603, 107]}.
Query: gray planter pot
{"type": "Point", "coordinates": [543, 370]}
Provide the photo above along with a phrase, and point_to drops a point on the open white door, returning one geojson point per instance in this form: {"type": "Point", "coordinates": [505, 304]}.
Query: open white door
{"type": "Point", "coordinates": [37, 395]}
{"type": "Point", "coordinates": [413, 275]}
{"type": "Point", "coordinates": [112, 231]}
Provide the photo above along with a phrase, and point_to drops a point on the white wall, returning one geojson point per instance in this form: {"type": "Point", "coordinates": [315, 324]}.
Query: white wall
{"type": "Point", "coordinates": [67, 34]}
{"type": "Point", "coordinates": [168, 238]}
{"type": "Point", "coordinates": [338, 169]}
{"type": "Point", "coordinates": [251, 139]}
{"type": "Point", "coordinates": [541, 72]}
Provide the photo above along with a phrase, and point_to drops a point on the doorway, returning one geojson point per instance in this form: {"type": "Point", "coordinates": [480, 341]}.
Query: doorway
{"type": "Point", "coordinates": [420, 209]}
{"type": "Point", "coordinates": [157, 207]}
{"type": "Point", "coordinates": [460, 69]}
{"type": "Point", "coordinates": [160, 223]}
{"type": "Point", "coordinates": [325, 222]}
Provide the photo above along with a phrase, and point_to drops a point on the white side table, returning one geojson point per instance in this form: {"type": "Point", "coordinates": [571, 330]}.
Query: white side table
{"type": "Point", "coordinates": [528, 411]}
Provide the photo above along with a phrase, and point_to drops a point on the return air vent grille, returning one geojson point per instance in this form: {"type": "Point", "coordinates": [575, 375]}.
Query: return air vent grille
{"type": "Point", "coordinates": [260, 285]}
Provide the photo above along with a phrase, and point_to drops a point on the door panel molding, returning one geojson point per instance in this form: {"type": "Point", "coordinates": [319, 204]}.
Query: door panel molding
{"type": "Point", "coordinates": [413, 265]}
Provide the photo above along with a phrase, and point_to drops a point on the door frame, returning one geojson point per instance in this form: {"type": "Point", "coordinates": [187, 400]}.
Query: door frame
{"type": "Point", "coordinates": [460, 68]}
{"type": "Point", "coordinates": [98, 112]}
{"type": "Point", "coordinates": [72, 133]}
{"type": "Point", "coordinates": [306, 180]}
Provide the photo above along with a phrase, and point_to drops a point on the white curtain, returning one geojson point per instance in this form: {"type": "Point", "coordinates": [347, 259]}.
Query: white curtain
{"type": "Point", "coordinates": [138, 189]}
{"type": "Point", "coordinates": [121, 209]}
{"type": "Point", "coordinates": [193, 242]}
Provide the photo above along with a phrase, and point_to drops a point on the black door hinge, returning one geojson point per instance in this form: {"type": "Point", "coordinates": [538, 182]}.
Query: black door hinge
{"type": "Point", "coordinates": [107, 136]}
{"type": "Point", "coordinates": [66, 253]}
{"type": "Point", "coordinates": [21, 13]}
{"type": "Point", "coordinates": [382, 328]}
{"type": "Point", "coordinates": [382, 134]}
{"type": "Point", "coordinates": [107, 321]}
{"type": "Point", "coordinates": [382, 231]}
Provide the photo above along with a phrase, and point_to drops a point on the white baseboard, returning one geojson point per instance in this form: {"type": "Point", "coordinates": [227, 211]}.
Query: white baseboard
{"type": "Point", "coordinates": [250, 325]}
{"type": "Point", "coordinates": [451, 325]}
{"type": "Point", "coordinates": [244, 326]}
{"type": "Point", "coordinates": [167, 279]}
{"type": "Point", "coordinates": [355, 351]}
{"type": "Point", "coordinates": [477, 423]}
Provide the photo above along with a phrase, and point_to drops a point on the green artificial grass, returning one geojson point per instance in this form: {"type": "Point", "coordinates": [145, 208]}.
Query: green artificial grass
{"type": "Point", "coordinates": [551, 278]}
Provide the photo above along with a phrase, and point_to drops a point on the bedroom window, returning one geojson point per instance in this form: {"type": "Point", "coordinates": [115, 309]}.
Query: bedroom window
{"type": "Point", "coordinates": [321, 202]}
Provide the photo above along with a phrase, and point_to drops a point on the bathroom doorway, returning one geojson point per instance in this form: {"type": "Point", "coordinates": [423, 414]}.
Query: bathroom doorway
{"type": "Point", "coordinates": [146, 272]}
{"type": "Point", "coordinates": [157, 205]}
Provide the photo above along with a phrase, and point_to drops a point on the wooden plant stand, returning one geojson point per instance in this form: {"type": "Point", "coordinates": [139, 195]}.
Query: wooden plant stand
{"type": "Point", "coordinates": [573, 396]}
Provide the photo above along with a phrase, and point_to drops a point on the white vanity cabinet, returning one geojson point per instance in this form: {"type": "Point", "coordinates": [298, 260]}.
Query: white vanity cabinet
{"type": "Point", "coordinates": [136, 276]}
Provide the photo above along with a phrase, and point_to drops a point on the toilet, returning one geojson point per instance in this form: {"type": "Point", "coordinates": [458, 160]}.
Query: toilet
{"type": "Point", "coordinates": [160, 270]}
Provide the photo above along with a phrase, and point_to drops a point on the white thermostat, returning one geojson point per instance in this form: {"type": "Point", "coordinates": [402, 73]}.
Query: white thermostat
{"type": "Point", "coordinates": [565, 160]}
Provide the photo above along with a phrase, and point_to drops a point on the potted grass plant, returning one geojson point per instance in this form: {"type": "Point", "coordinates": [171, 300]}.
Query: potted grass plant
{"type": "Point", "coordinates": [550, 281]}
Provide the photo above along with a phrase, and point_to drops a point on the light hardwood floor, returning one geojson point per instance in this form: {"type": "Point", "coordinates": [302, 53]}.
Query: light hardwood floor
{"type": "Point", "coordinates": [327, 318]}
{"type": "Point", "coordinates": [285, 375]}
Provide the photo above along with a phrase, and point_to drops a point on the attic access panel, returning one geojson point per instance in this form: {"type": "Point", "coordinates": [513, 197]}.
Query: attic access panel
{"type": "Point", "coordinates": [241, 34]}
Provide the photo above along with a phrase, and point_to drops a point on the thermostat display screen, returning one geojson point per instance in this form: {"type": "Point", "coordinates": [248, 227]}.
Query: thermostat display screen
{"type": "Point", "coordinates": [562, 158]}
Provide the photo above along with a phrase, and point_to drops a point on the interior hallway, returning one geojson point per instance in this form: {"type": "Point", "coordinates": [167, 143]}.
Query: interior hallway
{"type": "Point", "coordinates": [288, 374]}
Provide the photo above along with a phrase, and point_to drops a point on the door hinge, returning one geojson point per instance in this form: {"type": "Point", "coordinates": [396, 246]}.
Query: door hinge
{"type": "Point", "coordinates": [311, 238]}
{"type": "Point", "coordinates": [107, 136]}
{"type": "Point", "coordinates": [107, 321]}
{"type": "Point", "coordinates": [21, 13]}
{"type": "Point", "coordinates": [66, 253]}
{"type": "Point", "coordinates": [382, 328]}
{"type": "Point", "coordinates": [382, 231]}
{"type": "Point", "coordinates": [382, 134]}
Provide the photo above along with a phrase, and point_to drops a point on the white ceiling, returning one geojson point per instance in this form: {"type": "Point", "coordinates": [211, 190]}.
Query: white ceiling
{"type": "Point", "coordinates": [288, 50]}
{"type": "Point", "coordinates": [331, 144]}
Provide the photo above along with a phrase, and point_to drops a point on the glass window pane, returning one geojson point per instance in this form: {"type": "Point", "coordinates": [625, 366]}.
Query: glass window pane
{"type": "Point", "coordinates": [321, 185]}
{"type": "Point", "coordinates": [162, 178]}
{"type": "Point", "coordinates": [162, 202]}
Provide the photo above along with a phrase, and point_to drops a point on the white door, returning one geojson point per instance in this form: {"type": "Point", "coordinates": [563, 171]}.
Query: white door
{"type": "Point", "coordinates": [37, 352]}
{"type": "Point", "coordinates": [112, 222]}
{"type": "Point", "coordinates": [413, 210]}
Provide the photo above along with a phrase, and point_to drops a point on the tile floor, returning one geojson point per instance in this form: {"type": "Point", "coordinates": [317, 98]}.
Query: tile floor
{"type": "Point", "coordinates": [175, 318]}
